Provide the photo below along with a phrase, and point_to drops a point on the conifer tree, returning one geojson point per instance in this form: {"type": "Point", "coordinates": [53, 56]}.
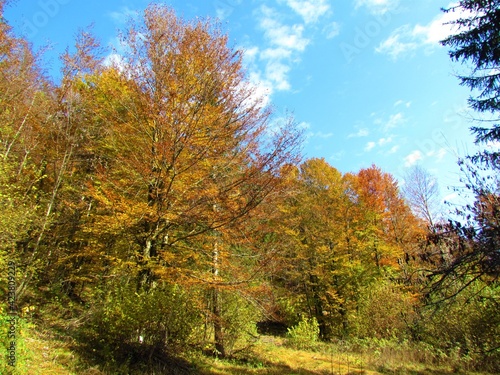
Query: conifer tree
{"type": "Point", "coordinates": [477, 42]}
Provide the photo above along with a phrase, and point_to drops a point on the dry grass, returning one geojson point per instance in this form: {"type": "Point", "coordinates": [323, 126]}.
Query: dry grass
{"type": "Point", "coordinates": [47, 354]}
{"type": "Point", "coordinates": [271, 356]}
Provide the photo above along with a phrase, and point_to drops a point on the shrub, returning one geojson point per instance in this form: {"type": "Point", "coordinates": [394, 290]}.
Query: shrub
{"type": "Point", "coordinates": [304, 335]}
{"type": "Point", "coordinates": [467, 328]}
{"type": "Point", "coordinates": [239, 320]}
{"type": "Point", "coordinates": [385, 312]}
{"type": "Point", "coordinates": [129, 323]}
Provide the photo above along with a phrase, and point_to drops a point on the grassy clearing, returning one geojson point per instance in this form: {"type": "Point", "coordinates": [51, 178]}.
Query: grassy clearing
{"type": "Point", "coordinates": [47, 354]}
{"type": "Point", "coordinates": [272, 356]}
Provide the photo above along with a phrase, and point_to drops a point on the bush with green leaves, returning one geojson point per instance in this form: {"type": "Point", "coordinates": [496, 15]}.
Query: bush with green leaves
{"type": "Point", "coordinates": [304, 335]}
{"type": "Point", "coordinates": [239, 319]}
{"type": "Point", "coordinates": [466, 328]}
{"type": "Point", "coordinates": [128, 320]}
{"type": "Point", "coordinates": [385, 311]}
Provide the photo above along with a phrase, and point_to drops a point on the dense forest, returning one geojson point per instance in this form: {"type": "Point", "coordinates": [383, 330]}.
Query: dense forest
{"type": "Point", "coordinates": [154, 206]}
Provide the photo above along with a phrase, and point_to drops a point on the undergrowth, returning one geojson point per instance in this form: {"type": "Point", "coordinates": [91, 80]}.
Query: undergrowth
{"type": "Point", "coordinates": [46, 352]}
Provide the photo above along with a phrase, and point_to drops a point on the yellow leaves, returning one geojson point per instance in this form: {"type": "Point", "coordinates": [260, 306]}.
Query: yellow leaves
{"type": "Point", "coordinates": [113, 212]}
{"type": "Point", "coordinates": [334, 297]}
{"type": "Point", "coordinates": [109, 88]}
{"type": "Point", "coordinates": [389, 255]}
{"type": "Point", "coordinates": [163, 145]}
{"type": "Point", "coordinates": [340, 232]}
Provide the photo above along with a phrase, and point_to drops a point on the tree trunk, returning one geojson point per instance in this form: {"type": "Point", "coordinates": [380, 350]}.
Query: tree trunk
{"type": "Point", "coordinates": [216, 309]}
{"type": "Point", "coordinates": [318, 307]}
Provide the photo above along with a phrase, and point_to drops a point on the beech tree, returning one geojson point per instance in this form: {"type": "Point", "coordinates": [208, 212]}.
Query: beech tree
{"type": "Point", "coordinates": [24, 108]}
{"type": "Point", "coordinates": [341, 234]}
{"type": "Point", "coordinates": [188, 155]}
{"type": "Point", "coordinates": [314, 269]}
{"type": "Point", "coordinates": [389, 225]}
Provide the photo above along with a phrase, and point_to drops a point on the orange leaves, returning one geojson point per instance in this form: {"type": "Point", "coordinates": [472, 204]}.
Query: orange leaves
{"type": "Point", "coordinates": [388, 219]}
{"type": "Point", "coordinates": [179, 150]}
{"type": "Point", "coordinates": [373, 187]}
{"type": "Point", "coordinates": [340, 232]}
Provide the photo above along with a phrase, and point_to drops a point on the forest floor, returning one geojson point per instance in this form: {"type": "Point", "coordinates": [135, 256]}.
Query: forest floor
{"type": "Point", "coordinates": [271, 356]}
{"type": "Point", "coordinates": [47, 354]}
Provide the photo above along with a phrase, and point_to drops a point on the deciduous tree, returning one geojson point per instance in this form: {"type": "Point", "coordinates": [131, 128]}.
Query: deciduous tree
{"type": "Point", "coordinates": [189, 156]}
{"type": "Point", "coordinates": [421, 190]}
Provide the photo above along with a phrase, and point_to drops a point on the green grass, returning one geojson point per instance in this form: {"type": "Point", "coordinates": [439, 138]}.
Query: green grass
{"type": "Point", "coordinates": [271, 356]}
{"type": "Point", "coordinates": [50, 354]}
{"type": "Point", "coordinates": [46, 354]}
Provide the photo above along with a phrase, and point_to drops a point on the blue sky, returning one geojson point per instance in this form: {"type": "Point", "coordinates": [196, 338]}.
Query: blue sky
{"type": "Point", "coordinates": [366, 79]}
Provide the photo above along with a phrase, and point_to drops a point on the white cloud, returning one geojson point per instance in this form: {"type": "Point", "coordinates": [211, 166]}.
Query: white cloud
{"type": "Point", "coordinates": [407, 39]}
{"type": "Point", "coordinates": [393, 149]}
{"type": "Point", "coordinates": [277, 72]}
{"type": "Point", "coordinates": [331, 30]}
{"type": "Point", "coordinates": [384, 141]}
{"type": "Point", "coordinates": [282, 36]}
{"type": "Point", "coordinates": [360, 133]}
{"type": "Point", "coordinates": [250, 54]}
{"type": "Point", "coordinates": [441, 154]}
{"type": "Point", "coordinates": [402, 102]}
{"type": "Point", "coordinates": [413, 158]}
{"type": "Point", "coordinates": [320, 134]}
{"type": "Point", "coordinates": [225, 9]}
{"type": "Point", "coordinates": [304, 125]}
{"type": "Point", "coordinates": [381, 143]}
{"type": "Point", "coordinates": [377, 6]}
{"type": "Point", "coordinates": [275, 53]}
{"type": "Point", "coordinates": [369, 146]}
{"type": "Point", "coordinates": [223, 12]}
{"type": "Point", "coordinates": [270, 65]}
{"type": "Point", "coordinates": [437, 155]}
{"type": "Point", "coordinates": [262, 89]}
{"type": "Point", "coordinates": [394, 121]}
{"type": "Point", "coordinates": [438, 29]}
{"type": "Point", "coordinates": [124, 15]}
{"type": "Point", "coordinates": [398, 43]}
{"type": "Point", "coordinates": [309, 10]}
{"type": "Point", "coordinates": [338, 155]}
{"type": "Point", "coordinates": [324, 135]}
